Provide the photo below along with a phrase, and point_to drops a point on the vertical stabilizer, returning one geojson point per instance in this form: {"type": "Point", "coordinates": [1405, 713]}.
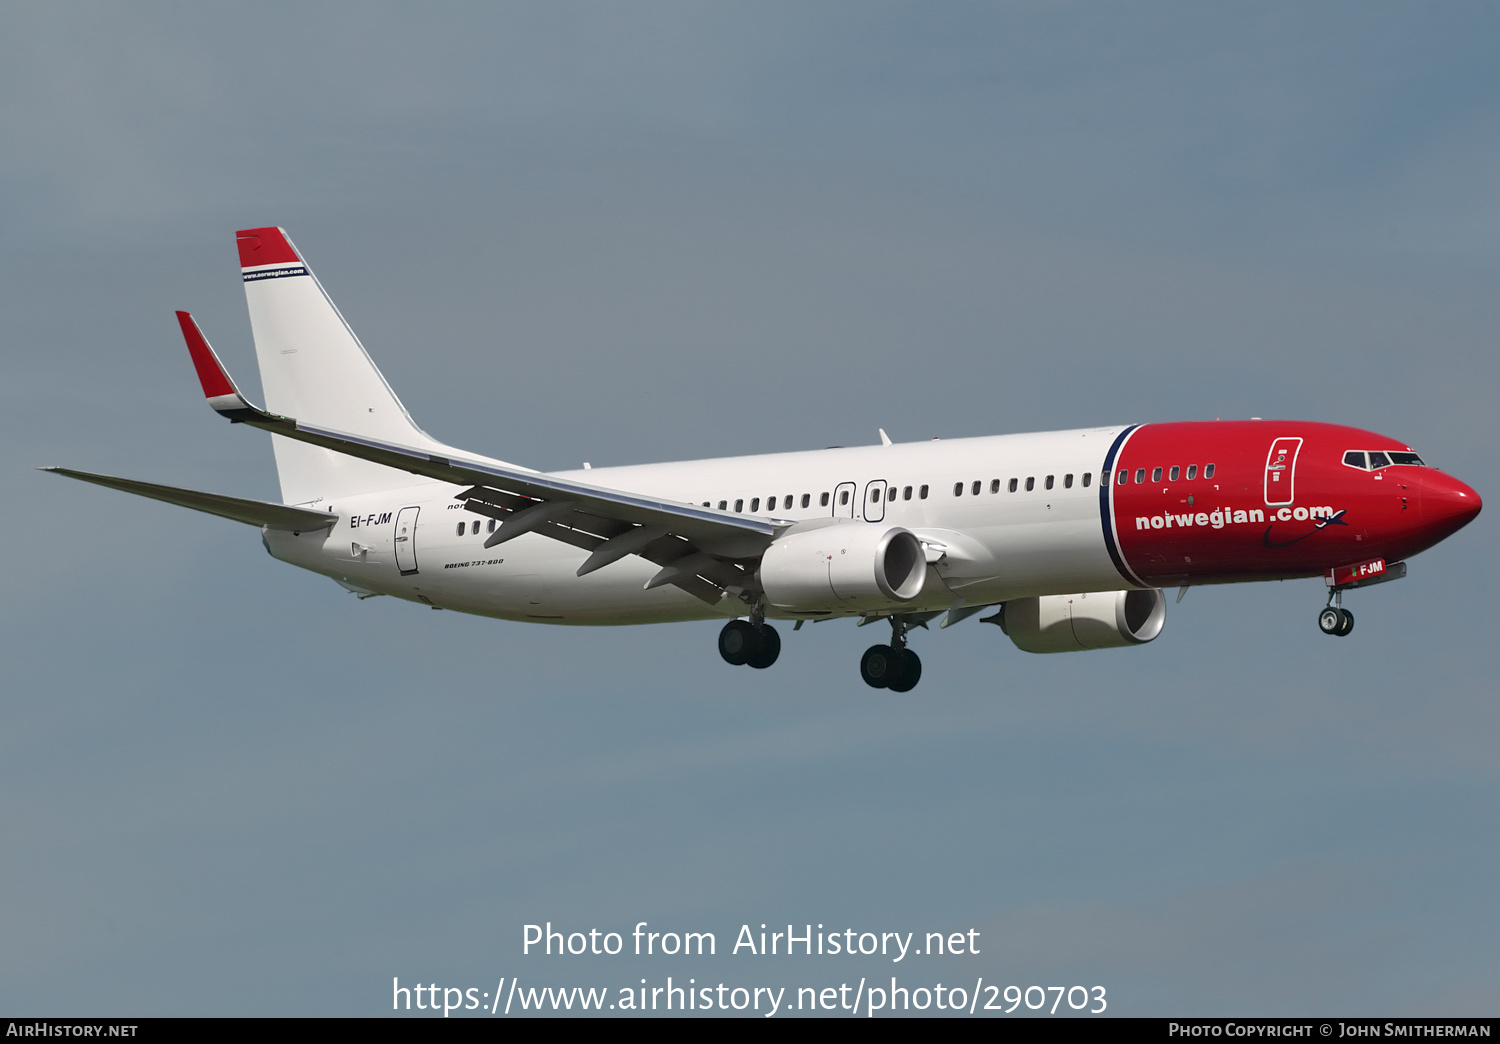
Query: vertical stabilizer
{"type": "Point", "coordinates": [314, 369]}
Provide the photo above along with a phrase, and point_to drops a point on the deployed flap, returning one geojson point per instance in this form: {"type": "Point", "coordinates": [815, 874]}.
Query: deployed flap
{"type": "Point", "coordinates": [251, 512]}
{"type": "Point", "coordinates": [718, 532]}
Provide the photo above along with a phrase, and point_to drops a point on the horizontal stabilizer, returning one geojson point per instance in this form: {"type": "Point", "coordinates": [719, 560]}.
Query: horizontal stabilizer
{"type": "Point", "coordinates": [251, 512]}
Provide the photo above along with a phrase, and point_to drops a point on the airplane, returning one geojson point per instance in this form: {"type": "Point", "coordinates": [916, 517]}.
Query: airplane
{"type": "Point", "coordinates": [1068, 537]}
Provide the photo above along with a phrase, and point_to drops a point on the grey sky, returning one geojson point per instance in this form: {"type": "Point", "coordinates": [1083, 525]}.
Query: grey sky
{"type": "Point", "coordinates": [619, 234]}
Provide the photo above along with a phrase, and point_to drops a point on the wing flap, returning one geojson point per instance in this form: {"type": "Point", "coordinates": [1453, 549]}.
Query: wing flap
{"type": "Point", "coordinates": [594, 513]}
{"type": "Point", "coordinates": [737, 535]}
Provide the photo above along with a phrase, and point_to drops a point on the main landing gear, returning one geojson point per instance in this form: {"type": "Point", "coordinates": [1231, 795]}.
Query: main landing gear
{"type": "Point", "coordinates": [893, 666]}
{"type": "Point", "coordinates": [755, 643]}
{"type": "Point", "coordinates": [751, 642]}
{"type": "Point", "coordinates": [1335, 619]}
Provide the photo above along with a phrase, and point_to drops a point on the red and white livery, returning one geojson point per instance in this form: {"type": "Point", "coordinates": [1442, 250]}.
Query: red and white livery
{"type": "Point", "coordinates": [1066, 537]}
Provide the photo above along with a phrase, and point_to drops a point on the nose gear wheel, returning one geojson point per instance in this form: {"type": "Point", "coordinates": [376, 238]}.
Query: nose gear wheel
{"type": "Point", "coordinates": [1335, 620]}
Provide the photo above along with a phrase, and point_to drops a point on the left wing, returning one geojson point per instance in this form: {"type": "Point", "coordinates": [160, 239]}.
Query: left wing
{"type": "Point", "coordinates": [706, 552]}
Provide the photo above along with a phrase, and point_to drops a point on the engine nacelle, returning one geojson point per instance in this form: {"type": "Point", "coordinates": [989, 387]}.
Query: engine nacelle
{"type": "Point", "coordinates": [837, 566]}
{"type": "Point", "coordinates": [1092, 620]}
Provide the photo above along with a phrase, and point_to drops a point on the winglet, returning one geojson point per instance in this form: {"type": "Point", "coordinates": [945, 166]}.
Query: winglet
{"type": "Point", "coordinates": [218, 386]}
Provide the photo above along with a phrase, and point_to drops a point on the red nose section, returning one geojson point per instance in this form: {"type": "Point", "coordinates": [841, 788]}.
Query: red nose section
{"type": "Point", "coordinates": [1447, 504]}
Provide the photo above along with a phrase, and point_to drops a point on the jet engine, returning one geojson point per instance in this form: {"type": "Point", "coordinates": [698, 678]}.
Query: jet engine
{"type": "Point", "coordinates": [1092, 620]}
{"type": "Point", "coordinates": [842, 566]}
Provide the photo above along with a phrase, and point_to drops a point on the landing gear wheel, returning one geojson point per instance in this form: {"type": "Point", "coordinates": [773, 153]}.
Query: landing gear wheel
{"type": "Point", "coordinates": [879, 665]}
{"type": "Point", "coordinates": [908, 673]}
{"type": "Point", "coordinates": [738, 642]}
{"type": "Point", "coordinates": [1347, 625]}
{"type": "Point", "coordinates": [1331, 619]}
{"type": "Point", "coordinates": [768, 647]}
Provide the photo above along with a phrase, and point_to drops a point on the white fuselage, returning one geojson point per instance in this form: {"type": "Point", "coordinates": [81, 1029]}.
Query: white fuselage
{"type": "Point", "coordinates": [983, 548]}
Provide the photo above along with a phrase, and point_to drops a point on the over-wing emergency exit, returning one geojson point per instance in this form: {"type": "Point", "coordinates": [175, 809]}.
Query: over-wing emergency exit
{"type": "Point", "coordinates": [1066, 538]}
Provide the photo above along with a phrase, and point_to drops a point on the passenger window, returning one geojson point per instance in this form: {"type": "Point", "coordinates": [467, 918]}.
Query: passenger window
{"type": "Point", "coordinates": [977, 484]}
{"type": "Point", "coordinates": [723, 504]}
{"type": "Point", "coordinates": [1156, 474]}
{"type": "Point", "coordinates": [958, 489]}
{"type": "Point", "coordinates": [844, 498]}
{"type": "Point", "coordinates": [1124, 476]}
{"type": "Point", "coordinates": [906, 493]}
{"type": "Point", "coordinates": [1049, 481]}
{"type": "Point", "coordinates": [461, 528]}
{"type": "Point", "coordinates": [754, 505]}
{"type": "Point", "coordinates": [922, 493]}
{"type": "Point", "coordinates": [822, 500]}
{"type": "Point", "coordinates": [739, 505]}
{"type": "Point", "coordinates": [1030, 483]}
{"type": "Point", "coordinates": [1208, 471]}
{"type": "Point", "coordinates": [1175, 472]}
{"type": "Point", "coordinates": [994, 485]}
{"type": "Point", "coordinates": [1192, 472]}
{"type": "Point", "coordinates": [1088, 476]}
{"type": "Point", "coordinates": [806, 499]}
{"type": "Point", "coordinates": [1013, 484]}
{"type": "Point", "coordinates": [492, 523]}
{"type": "Point", "coordinates": [1355, 458]}
{"type": "Point", "coordinates": [1140, 475]}
{"type": "Point", "coordinates": [1067, 482]}
{"type": "Point", "coordinates": [874, 495]}
{"type": "Point", "coordinates": [1378, 460]}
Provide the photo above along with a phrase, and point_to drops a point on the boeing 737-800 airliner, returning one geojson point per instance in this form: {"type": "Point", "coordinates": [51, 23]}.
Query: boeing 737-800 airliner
{"type": "Point", "coordinates": [1067, 537]}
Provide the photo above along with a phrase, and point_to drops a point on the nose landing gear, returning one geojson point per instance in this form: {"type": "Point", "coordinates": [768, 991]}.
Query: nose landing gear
{"type": "Point", "coordinates": [1334, 618]}
{"type": "Point", "coordinates": [753, 643]}
{"type": "Point", "coordinates": [893, 666]}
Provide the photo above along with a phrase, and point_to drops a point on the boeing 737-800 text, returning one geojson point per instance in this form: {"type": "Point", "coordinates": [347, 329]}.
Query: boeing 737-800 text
{"type": "Point", "coordinates": [1067, 537]}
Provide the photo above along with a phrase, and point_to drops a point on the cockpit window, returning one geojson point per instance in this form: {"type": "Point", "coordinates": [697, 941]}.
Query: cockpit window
{"type": "Point", "coordinates": [1381, 459]}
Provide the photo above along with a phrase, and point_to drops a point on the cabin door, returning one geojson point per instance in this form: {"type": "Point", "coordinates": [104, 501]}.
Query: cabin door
{"type": "Point", "coordinates": [1281, 467]}
{"type": "Point", "coordinates": [406, 540]}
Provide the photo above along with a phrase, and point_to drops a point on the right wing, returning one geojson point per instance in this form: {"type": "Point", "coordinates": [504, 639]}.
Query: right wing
{"type": "Point", "coordinates": [705, 552]}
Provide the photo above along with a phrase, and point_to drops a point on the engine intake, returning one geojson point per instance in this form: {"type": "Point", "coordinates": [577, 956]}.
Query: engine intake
{"type": "Point", "coordinates": [1091, 620]}
{"type": "Point", "coordinates": [843, 566]}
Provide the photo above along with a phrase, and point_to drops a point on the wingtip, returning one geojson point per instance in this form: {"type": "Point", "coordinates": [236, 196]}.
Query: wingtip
{"type": "Point", "coordinates": [211, 373]}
